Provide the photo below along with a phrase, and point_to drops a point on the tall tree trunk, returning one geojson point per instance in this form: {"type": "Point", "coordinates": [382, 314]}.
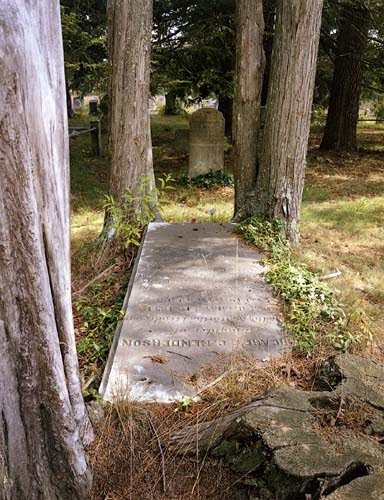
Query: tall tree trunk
{"type": "Point", "coordinates": [44, 425]}
{"type": "Point", "coordinates": [130, 28]}
{"type": "Point", "coordinates": [283, 160]}
{"type": "Point", "coordinates": [226, 107]}
{"type": "Point", "coordinates": [246, 110]}
{"type": "Point", "coordinates": [343, 111]}
{"type": "Point", "coordinates": [170, 103]}
{"type": "Point", "coordinates": [69, 100]}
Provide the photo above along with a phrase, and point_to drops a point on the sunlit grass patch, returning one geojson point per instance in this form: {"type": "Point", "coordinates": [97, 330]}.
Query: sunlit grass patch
{"type": "Point", "coordinates": [199, 205]}
{"type": "Point", "coordinates": [86, 226]}
{"type": "Point", "coordinates": [349, 235]}
{"type": "Point", "coordinates": [350, 216]}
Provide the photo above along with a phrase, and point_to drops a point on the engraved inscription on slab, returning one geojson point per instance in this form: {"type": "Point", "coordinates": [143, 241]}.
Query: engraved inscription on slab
{"type": "Point", "coordinates": [197, 293]}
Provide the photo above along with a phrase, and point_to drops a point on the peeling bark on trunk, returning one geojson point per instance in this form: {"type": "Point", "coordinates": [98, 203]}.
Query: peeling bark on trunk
{"type": "Point", "coordinates": [281, 178]}
{"type": "Point", "coordinates": [246, 112]}
{"type": "Point", "coordinates": [130, 26]}
{"type": "Point", "coordinates": [44, 425]}
{"type": "Point", "coordinates": [343, 112]}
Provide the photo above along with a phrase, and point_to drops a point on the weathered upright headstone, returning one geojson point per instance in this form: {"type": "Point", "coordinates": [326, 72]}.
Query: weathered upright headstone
{"type": "Point", "coordinates": [206, 148]}
{"type": "Point", "coordinates": [198, 293]}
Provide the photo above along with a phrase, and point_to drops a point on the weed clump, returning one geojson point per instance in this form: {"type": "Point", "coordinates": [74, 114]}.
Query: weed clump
{"type": "Point", "coordinates": [207, 181]}
{"type": "Point", "coordinates": [313, 314]}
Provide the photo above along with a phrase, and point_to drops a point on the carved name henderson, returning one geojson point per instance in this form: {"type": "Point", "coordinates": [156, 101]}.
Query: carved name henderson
{"type": "Point", "coordinates": [204, 342]}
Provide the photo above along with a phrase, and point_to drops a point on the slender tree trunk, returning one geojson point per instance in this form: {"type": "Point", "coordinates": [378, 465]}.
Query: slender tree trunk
{"type": "Point", "coordinates": [130, 27]}
{"type": "Point", "coordinates": [170, 103]}
{"type": "Point", "coordinates": [246, 111]}
{"type": "Point", "coordinates": [69, 100]}
{"type": "Point", "coordinates": [226, 107]}
{"type": "Point", "coordinates": [343, 111]}
{"type": "Point", "coordinates": [43, 421]}
{"type": "Point", "coordinates": [283, 160]}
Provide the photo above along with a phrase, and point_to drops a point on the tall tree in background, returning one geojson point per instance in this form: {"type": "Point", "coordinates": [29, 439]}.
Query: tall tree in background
{"type": "Point", "coordinates": [343, 111]}
{"type": "Point", "coordinates": [43, 421]}
{"type": "Point", "coordinates": [129, 35]}
{"type": "Point", "coordinates": [193, 50]}
{"type": "Point", "coordinates": [85, 46]}
{"type": "Point", "coordinates": [246, 113]}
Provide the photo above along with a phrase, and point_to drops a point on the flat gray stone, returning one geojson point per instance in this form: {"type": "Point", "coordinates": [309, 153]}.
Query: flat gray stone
{"type": "Point", "coordinates": [362, 488]}
{"type": "Point", "coordinates": [197, 292]}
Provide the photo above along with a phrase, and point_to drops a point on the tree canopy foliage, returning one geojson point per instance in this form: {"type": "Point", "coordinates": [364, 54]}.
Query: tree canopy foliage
{"type": "Point", "coordinates": [194, 47]}
{"type": "Point", "coordinates": [85, 44]}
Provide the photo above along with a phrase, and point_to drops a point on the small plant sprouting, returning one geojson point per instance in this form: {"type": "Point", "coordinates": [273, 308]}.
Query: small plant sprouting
{"type": "Point", "coordinates": [136, 209]}
{"type": "Point", "coordinates": [185, 405]}
{"type": "Point", "coordinates": [99, 311]}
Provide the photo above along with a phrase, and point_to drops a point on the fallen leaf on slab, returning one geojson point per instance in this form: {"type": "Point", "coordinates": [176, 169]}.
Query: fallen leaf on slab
{"type": "Point", "coordinates": [158, 359]}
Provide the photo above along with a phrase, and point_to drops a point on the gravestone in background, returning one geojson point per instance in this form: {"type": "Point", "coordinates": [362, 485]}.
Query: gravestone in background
{"type": "Point", "coordinates": [197, 294]}
{"type": "Point", "coordinates": [93, 107]}
{"type": "Point", "coordinates": [206, 147]}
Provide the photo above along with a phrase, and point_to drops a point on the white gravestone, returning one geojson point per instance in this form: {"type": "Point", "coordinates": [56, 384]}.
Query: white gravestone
{"type": "Point", "coordinates": [206, 147]}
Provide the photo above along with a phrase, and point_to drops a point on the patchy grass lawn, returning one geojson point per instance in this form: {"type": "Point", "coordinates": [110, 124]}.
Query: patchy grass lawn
{"type": "Point", "coordinates": [343, 223]}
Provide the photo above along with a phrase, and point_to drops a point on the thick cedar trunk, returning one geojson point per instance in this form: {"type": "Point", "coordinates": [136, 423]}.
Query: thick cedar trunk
{"type": "Point", "coordinates": [130, 27]}
{"type": "Point", "coordinates": [43, 421]}
{"type": "Point", "coordinates": [246, 110]}
{"type": "Point", "coordinates": [283, 160]}
{"type": "Point", "coordinates": [226, 107]}
{"type": "Point", "coordinates": [343, 110]}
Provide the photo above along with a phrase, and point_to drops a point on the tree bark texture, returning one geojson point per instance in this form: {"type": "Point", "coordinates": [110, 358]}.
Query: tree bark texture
{"type": "Point", "coordinates": [69, 101]}
{"type": "Point", "coordinates": [246, 111]}
{"type": "Point", "coordinates": [269, 9]}
{"type": "Point", "coordinates": [44, 425]}
{"type": "Point", "coordinates": [343, 111]}
{"type": "Point", "coordinates": [281, 177]}
{"type": "Point", "coordinates": [226, 107]}
{"type": "Point", "coordinates": [130, 27]}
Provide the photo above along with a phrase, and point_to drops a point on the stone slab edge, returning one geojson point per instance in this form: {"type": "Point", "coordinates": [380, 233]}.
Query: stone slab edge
{"type": "Point", "coordinates": [116, 337]}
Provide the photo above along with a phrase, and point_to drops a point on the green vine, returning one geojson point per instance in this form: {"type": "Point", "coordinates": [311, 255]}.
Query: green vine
{"type": "Point", "coordinates": [313, 314]}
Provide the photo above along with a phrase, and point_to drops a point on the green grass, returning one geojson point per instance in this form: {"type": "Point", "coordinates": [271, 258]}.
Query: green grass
{"type": "Point", "coordinates": [348, 216]}
{"type": "Point", "coordinates": [187, 204]}
{"type": "Point", "coordinates": [163, 124]}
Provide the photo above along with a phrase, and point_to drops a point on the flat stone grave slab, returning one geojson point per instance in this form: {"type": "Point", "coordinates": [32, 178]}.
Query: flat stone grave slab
{"type": "Point", "coordinates": [197, 293]}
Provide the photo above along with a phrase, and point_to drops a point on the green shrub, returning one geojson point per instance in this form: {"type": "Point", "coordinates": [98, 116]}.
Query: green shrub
{"type": "Point", "coordinates": [207, 181]}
